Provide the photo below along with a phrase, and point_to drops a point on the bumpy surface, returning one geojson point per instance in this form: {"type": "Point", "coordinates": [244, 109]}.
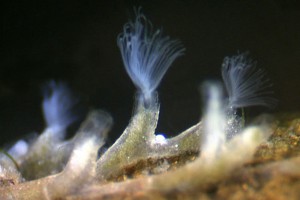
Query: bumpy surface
{"type": "Point", "coordinates": [273, 173]}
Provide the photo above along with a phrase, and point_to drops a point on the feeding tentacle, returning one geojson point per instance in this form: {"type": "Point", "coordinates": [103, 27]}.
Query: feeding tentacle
{"type": "Point", "coordinates": [146, 54]}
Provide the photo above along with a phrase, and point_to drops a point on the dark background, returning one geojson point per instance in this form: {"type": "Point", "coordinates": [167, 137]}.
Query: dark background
{"type": "Point", "coordinates": [75, 41]}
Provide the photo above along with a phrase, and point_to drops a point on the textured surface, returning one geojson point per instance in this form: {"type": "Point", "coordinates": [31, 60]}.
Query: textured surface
{"type": "Point", "coordinates": [273, 173]}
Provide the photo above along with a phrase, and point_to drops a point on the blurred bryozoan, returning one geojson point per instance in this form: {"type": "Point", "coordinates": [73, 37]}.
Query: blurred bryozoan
{"type": "Point", "coordinates": [45, 155]}
{"type": "Point", "coordinates": [245, 84]}
{"type": "Point", "coordinates": [146, 54]}
{"type": "Point", "coordinates": [58, 106]}
{"type": "Point", "coordinates": [214, 121]}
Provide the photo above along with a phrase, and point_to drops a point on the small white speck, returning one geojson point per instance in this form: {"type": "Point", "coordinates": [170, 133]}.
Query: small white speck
{"type": "Point", "coordinates": [160, 139]}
